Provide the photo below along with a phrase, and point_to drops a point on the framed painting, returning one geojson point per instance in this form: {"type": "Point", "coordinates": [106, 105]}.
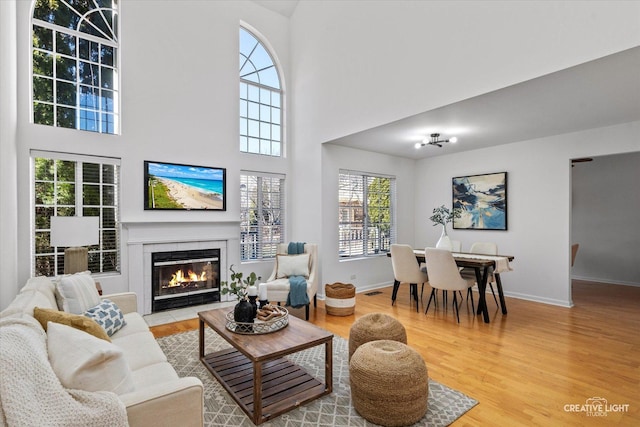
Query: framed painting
{"type": "Point", "coordinates": [482, 200]}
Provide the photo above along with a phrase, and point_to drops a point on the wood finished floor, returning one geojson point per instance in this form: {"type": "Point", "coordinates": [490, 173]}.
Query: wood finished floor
{"type": "Point", "coordinates": [523, 367]}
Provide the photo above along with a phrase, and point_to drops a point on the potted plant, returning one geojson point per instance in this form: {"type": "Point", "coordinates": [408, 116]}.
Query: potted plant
{"type": "Point", "coordinates": [442, 215]}
{"type": "Point", "coordinates": [239, 286]}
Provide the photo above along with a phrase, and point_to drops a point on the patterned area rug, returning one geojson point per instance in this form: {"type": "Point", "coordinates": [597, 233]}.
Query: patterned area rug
{"type": "Point", "coordinates": [445, 405]}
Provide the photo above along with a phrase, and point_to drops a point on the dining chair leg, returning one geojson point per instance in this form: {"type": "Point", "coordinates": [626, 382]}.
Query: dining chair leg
{"type": "Point", "coordinates": [414, 294]}
{"type": "Point", "coordinates": [455, 306]}
{"type": "Point", "coordinates": [431, 297]}
{"type": "Point", "coordinates": [394, 293]}
{"type": "Point", "coordinates": [470, 294]}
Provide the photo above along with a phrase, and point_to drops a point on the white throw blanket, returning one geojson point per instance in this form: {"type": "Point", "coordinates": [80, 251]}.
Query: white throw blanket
{"type": "Point", "coordinates": [32, 395]}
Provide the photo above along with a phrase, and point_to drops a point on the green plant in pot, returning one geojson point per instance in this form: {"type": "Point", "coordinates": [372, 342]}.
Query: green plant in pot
{"type": "Point", "coordinates": [239, 286]}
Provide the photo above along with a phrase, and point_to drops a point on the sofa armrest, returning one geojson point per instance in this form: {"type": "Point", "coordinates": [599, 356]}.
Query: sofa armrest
{"type": "Point", "coordinates": [174, 403]}
{"type": "Point", "coordinates": [126, 301]}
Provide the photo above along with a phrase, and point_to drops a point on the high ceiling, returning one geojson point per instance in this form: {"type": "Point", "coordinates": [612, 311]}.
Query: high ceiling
{"type": "Point", "coordinates": [598, 93]}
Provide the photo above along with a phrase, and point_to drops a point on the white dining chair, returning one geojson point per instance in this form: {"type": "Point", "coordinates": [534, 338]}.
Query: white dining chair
{"type": "Point", "coordinates": [406, 270]}
{"type": "Point", "coordinates": [444, 275]}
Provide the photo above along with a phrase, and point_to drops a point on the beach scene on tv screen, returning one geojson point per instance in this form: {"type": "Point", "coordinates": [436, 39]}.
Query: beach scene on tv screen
{"type": "Point", "coordinates": [172, 186]}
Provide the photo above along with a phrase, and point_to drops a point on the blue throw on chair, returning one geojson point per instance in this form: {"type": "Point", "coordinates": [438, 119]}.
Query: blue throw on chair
{"type": "Point", "coordinates": [297, 284]}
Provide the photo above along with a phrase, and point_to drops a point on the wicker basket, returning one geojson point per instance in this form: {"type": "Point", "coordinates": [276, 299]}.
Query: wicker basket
{"type": "Point", "coordinates": [340, 299]}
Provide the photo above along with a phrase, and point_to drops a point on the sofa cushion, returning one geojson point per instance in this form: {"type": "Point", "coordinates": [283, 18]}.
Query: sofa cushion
{"type": "Point", "coordinates": [108, 315]}
{"type": "Point", "coordinates": [85, 324]}
{"type": "Point", "coordinates": [76, 293]}
{"type": "Point", "coordinates": [152, 375]}
{"type": "Point", "coordinates": [140, 350]}
{"type": "Point", "coordinates": [292, 265]}
{"type": "Point", "coordinates": [135, 324]}
{"type": "Point", "coordinates": [82, 361]}
{"type": "Point", "coordinates": [25, 302]}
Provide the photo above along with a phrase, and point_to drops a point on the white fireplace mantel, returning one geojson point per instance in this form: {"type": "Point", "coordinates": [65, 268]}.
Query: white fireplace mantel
{"type": "Point", "coordinates": [143, 238]}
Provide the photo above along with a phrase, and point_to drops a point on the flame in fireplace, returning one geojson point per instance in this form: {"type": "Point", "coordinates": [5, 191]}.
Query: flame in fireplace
{"type": "Point", "coordinates": [179, 278]}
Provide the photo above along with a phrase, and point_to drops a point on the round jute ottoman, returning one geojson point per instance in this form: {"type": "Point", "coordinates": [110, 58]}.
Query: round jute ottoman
{"type": "Point", "coordinates": [375, 326]}
{"type": "Point", "coordinates": [389, 383]}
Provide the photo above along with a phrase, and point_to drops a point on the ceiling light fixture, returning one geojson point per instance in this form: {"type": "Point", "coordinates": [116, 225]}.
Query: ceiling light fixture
{"type": "Point", "coordinates": [433, 140]}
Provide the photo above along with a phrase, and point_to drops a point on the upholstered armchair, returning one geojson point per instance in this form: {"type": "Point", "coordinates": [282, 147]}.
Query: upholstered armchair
{"type": "Point", "coordinates": [278, 285]}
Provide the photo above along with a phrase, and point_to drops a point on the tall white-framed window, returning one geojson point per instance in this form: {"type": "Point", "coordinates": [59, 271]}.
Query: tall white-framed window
{"type": "Point", "coordinates": [366, 216]}
{"type": "Point", "coordinates": [261, 99]}
{"type": "Point", "coordinates": [74, 185]}
{"type": "Point", "coordinates": [262, 214]}
{"type": "Point", "coordinates": [75, 64]}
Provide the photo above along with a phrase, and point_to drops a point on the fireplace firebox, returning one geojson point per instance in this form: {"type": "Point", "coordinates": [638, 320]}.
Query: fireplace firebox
{"type": "Point", "coordinates": [185, 278]}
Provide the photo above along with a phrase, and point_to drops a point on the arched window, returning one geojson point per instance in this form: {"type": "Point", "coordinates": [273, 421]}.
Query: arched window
{"type": "Point", "coordinates": [75, 64]}
{"type": "Point", "coordinates": [260, 99]}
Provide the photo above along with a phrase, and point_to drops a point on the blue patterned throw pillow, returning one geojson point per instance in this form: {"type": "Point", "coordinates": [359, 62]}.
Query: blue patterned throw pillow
{"type": "Point", "coordinates": [108, 315]}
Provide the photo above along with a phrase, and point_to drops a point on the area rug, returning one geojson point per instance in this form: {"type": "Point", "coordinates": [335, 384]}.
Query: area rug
{"type": "Point", "coordinates": [444, 407]}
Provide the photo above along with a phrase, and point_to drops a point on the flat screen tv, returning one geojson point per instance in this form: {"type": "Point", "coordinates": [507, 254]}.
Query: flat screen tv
{"type": "Point", "coordinates": [184, 187]}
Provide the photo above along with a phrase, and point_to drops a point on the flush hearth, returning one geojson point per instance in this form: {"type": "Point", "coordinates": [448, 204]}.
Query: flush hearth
{"type": "Point", "coordinates": [185, 278]}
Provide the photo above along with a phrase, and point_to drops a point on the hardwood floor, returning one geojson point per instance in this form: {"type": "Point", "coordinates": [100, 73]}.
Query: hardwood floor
{"type": "Point", "coordinates": [526, 366]}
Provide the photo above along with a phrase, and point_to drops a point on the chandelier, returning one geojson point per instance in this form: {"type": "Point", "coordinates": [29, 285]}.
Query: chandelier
{"type": "Point", "coordinates": [434, 139]}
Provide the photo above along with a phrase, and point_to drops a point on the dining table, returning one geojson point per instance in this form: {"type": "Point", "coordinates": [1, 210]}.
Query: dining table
{"type": "Point", "coordinates": [483, 266]}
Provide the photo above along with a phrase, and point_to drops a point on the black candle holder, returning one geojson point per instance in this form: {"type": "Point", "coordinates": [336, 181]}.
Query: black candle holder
{"type": "Point", "coordinates": [252, 301]}
{"type": "Point", "coordinates": [263, 302]}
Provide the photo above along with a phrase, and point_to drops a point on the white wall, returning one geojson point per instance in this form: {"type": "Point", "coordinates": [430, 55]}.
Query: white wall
{"type": "Point", "coordinates": [539, 203]}
{"type": "Point", "coordinates": [369, 272]}
{"type": "Point", "coordinates": [8, 141]}
{"type": "Point", "coordinates": [605, 217]}
{"type": "Point", "coordinates": [179, 68]}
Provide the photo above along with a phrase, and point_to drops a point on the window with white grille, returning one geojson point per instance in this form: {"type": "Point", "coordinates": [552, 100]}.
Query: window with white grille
{"type": "Point", "coordinates": [366, 214]}
{"type": "Point", "coordinates": [261, 215]}
{"type": "Point", "coordinates": [73, 185]}
{"type": "Point", "coordinates": [75, 64]}
{"type": "Point", "coordinates": [261, 126]}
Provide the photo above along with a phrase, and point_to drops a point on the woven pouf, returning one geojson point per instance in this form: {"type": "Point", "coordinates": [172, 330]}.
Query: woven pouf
{"type": "Point", "coordinates": [389, 383]}
{"type": "Point", "coordinates": [375, 326]}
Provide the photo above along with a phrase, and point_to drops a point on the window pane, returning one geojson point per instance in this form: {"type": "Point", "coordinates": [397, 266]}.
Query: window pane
{"type": "Point", "coordinates": [43, 38]}
{"type": "Point", "coordinates": [42, 114]}
{"type": "Point", "coordinates": [66, 194]}
{"type": "Point", "coordinates": [65, 43]}
{"type": "Point", "coordinates": [89, 120]}
{"type": "Point", "coordinates": [42, 89]}
{"type": "Point", "coordinates": [66, 93]}
{"type": "Point", "coordinates": [89, 73]}
{"type": "Point", "coordinates": [42, 63]}
{"type": "Point", "coordinates": [65, 68]}
{"type": "Point", "coordinates": [44, 193]}
{"type": "Point", "coordinates": [106, 55]}
{"type": "Point", "coordinates": [66, 117]}
{"type": "Point", "coordinates": [90, 194]}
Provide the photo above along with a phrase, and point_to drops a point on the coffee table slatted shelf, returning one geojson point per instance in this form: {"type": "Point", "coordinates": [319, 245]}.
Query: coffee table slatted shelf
{"type": "Point", "coordinates": [258, 360]}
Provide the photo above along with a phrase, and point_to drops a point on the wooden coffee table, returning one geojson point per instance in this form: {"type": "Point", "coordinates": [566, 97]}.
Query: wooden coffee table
{"type": "Point", "coordinates": [254, 371]}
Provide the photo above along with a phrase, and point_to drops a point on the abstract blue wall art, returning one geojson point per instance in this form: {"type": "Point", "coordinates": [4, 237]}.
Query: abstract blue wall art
{"type": "Point", "coordinates": [483, 201]}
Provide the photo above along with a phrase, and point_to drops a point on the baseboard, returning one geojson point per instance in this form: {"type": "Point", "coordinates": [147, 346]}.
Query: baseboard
{"type": "Point", "coordinates": [534, 298]}
{"type": "Point", "coordinates": [607, 281]}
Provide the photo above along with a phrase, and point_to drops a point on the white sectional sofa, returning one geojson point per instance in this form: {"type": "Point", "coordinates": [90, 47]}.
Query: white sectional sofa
{"type": "Point", "coordinates": [155, 395]}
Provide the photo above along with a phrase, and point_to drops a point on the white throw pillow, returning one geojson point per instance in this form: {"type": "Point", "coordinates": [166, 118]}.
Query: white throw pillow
{"type": "Point", "coordinates": [292, 265]}
{"type": "Point", "coordinates": [84, 362]}
{"type": "Point", "coordinates": [77, 293]}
